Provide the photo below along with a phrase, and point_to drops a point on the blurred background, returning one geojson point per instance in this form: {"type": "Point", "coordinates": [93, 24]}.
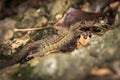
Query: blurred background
{"type": "Point", "coordinates": [98, 60]}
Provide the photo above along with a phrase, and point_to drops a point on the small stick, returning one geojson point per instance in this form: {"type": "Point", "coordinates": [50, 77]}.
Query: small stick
{"type": "Point", "coordinates": [28, 29]}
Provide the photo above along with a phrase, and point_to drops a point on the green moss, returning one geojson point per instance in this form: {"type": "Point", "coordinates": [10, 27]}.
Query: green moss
{"type": "Point", "coordinates": [24, 73]}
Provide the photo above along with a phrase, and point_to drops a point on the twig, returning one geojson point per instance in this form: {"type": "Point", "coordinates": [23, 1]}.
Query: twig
{"type": "Point", "coordinates": [28, 29]}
